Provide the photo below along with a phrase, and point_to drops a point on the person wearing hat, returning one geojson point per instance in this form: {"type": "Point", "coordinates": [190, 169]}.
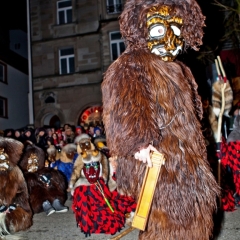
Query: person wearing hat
{"type": "Point", "coordinates": [79, 130]}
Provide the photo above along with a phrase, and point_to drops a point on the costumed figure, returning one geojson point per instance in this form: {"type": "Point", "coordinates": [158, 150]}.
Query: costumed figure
{"type": "Point", "coordinates": [66, 161]}
{"type": "Point", "coordinates": [47, 187]}
{"type": "Point", "coordinates": [52, 155]}
{"type": "Point", "coordinates": [231, 160]}
{"type": "Point", "coordinates": [84, 145]}
{"type": "Point", "coordinates": [95, 209]}
{"type": "Point", "coordinates": [15, 210]}
{"type": "Point", "coordinates": [100, 143]}
{"type": "Point", "coordinates": [217, 98]}
{"type": "Point", "coordinates": [150, 102]}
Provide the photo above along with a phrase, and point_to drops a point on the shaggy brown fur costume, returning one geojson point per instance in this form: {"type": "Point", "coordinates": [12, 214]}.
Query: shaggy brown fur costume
{"type": "Point", "coordinates": [38, 190]}
{"type": "Point", "coordinates": [147, 100]}
{"type": "Point", "coordinates": [13, 189]}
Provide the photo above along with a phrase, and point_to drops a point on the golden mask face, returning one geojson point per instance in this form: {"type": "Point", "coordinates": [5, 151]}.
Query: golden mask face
{"type": "Point", "coordinates": [85, 145]}
{"type": "Point", "coordinates": [4, 160]}
{"type": "Point", "coordinates": [164, 33]}
{"type": "Point", "coordinates": [32, 165]}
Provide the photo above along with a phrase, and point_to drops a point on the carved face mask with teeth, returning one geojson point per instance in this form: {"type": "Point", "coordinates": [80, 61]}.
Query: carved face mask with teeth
{"type": "Point", "coordinates": [164, 33]}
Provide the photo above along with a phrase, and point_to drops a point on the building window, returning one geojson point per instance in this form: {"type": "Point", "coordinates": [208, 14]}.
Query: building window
{"type": "Point", "coordinates": [3, 73]}
{"type": "Point", "coordinates": [3, 107]}
{"type": "Point", "coordinates": [114, 6]}
{"type": "Point", "coordinates": [117, 45]}
{"type": "Point", "coordinates": [64, 9]}
{"type": "Point", "coordinates": [66, 59]}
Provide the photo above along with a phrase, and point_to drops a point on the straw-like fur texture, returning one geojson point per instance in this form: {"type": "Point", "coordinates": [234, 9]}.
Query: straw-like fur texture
{"type": "Point", "coordinates": [13, 190]}
{"type": "Point", "coordinates": [146, 100]}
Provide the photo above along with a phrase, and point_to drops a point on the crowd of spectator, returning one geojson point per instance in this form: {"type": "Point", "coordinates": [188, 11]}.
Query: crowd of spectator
{"type": "Point", "coordinates": [45, 136]}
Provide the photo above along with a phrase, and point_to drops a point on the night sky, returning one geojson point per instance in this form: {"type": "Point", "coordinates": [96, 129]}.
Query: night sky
{"type": "Point", "coordinates": [13, 15]}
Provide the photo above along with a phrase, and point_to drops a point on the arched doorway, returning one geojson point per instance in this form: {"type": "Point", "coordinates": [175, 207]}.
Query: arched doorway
{"type": "Point", "coordinates": [52, 121]}
{"type": "Point", "coordinates": [55, 122]}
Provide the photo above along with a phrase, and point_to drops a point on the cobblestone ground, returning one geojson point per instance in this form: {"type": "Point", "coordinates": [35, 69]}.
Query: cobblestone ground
{"type": "Point", "coordinates": [62, 226]}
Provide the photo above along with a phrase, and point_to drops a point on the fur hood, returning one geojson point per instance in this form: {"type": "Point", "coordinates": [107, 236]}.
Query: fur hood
{"type": "Point", "coordinates": [32, 149]}
{"type": "Point", "coordinates": [82, 137]}
{"type": "Point", "coordinates": [12, 148]}
{"type": "Point", "coordinates": [133, 19]}
{"type": "Point", "coordinates": [69, 148]}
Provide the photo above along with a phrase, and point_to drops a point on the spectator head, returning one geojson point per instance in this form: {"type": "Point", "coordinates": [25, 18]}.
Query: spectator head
{"type": "Point", "coordinates": [17, 133]}
{"type": "Point", "coordinates": [97, 131]}
{"type": "Point", "coordinates": [9, 133]}
{"type": "Point", "coordinates": [28, 132]}
{"type": "Point", "coordinates": [68, 131]}
{"type": "Point", "coordinates": [79, 130]}
{"type": "Point", "coordinates": [40, 131]}
{"type": "Point", "coordinates": [59, 134]}
{"type": "Point", "coordinates": [91, 130]}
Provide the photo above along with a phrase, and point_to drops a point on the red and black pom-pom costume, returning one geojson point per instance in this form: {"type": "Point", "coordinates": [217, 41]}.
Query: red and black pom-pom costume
{"type": "Point", "coordinates": [126, 203]}
{"type": "Point", "coordinates": [227, 183]}
{"type": "Point", "coordinates": [92, 213]}
{"type": "Point", "coordinates": [233, 155]}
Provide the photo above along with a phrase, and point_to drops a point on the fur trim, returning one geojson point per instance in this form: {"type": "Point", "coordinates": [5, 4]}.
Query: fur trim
{"type": "Point", "coordinates": [82, 137]}
{"type": "Point", "coordinates": [133, 18]}
{"type": "Point", "coordinates": [112, 185]}
{"type": "Point", "coordinates": [99, 139]}
{"type": "Point", "coordinates": [90, 156]}
{"type": "Point", "coordinates": [217, 98]}
{"type": "Point", "coordinates": [235, 134]}
{"type": "Point", "coordinates": [213, 121]}
{"type": "Point", "coordinates": [13, 148]}
{"type": "Point", "coordinates": [32, 149]}
{"type": "Point", "coordinates": [52, 150]}
{"type": "Point", "coordinates": [3, 228]}
{"type": "Point", "coordinates": [69, 148]}
{"type": "Point", "coordinates": [64, 158]}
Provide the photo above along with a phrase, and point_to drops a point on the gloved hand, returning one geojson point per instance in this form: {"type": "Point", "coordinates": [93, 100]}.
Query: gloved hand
{"type": "Point", "coordinates": [3, 208]}
{"type": "Point", "coordinates": [12, 207]}
{"type": "Point", "coordinates": [45, 179]}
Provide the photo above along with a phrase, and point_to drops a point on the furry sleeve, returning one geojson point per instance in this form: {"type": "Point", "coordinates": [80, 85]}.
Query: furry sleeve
{"type": "Point", "coordinates": [76, 173]}
{"type": "Point", "coordinates": [20, 189]}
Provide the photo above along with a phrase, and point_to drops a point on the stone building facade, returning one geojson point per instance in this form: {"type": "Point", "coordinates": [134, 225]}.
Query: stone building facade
{"type": "Point", "coordinates": [73, 42]}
